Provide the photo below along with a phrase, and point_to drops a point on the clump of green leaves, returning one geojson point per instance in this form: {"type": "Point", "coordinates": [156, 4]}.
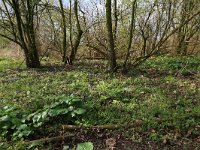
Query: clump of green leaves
{"type": "Point", "coordinates": [114, 90]}
{"type": "Point", "coordinates": [16, 126]}
{"type": "Point", "coordinates": [9, 121]}
{"type": "Point", "coordinates": [169, 63]}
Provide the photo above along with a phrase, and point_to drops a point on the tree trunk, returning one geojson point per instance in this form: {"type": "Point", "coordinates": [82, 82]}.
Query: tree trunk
{"type": "Point", "coordinates": [32, 46]}
{"type": "Point", "coordinates": [111, 44]}
{"type": "Point", "coordinates": [182, 31]}
{"type": "Point", "coordinates": [64, 27]}
{"type": "Point", "coordinates": [26, 33]}
{"type": "Point", "coordinates": [116, 20]}
{"type": "Point", "coordinates": [134, 3]}
{"type": "Point", "coordinates": [32, 58]}
{"type": "Point", "coordinates": [188, 30]}
{"type": "Point", "coordinates": [74, 47]}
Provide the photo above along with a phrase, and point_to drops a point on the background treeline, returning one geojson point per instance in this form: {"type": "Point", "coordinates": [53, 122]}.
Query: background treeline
{"type": "Point", "coordinates": [124, 32]}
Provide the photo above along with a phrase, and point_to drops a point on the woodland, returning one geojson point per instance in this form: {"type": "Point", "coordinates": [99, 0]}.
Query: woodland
{"type": "Point", "coordinates": [99, 74]}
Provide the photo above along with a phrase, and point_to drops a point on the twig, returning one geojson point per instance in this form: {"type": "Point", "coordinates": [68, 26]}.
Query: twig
{"type": "Point", "coordinates": [48, 140]}
{"type": "Point", "coordinates": [101, 127]}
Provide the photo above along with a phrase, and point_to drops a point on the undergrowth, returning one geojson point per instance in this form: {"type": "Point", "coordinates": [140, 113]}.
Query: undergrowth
{"type": "Point", "coordinates": [163, 93]}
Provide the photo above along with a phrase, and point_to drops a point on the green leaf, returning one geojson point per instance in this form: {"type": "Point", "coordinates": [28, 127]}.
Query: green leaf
{"type": "Point", "coordinates": [4, 118]}
{"type": "Point", "coordinates": [66, 147]}
{"type": "Point", "coordinates": [16, 121]}
{"type": "Point", "coordinates": [79, 111]}
{"type": "Point", "coordinates": [22, 127]}
{"type": "Point", "coordinates": [85, 146]}
{"type": "Point", "coordinates": [38, 124]}
{"type": "Point", "coordinates": [44, 114]}
{"type": "Point", "coordinates": [35, 144]}
{"type": "Point", "coordinates": [56, 112]}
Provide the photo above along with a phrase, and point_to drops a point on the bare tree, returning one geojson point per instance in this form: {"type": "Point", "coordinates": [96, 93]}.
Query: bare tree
{"type": "Point", "coordinates": [95, 33]}
{"type": "Point", "coordinates": [18, 25]}
{"type": "Point", "coordinates": [188, 30]}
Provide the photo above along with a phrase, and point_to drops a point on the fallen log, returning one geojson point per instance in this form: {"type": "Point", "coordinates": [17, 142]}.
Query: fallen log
{"type": "Point", "coordinates": [48, 140]}
{"type": "Point", "coordinates": [74, 127]}
{"type": "Point", "coordinates": [101, 127]}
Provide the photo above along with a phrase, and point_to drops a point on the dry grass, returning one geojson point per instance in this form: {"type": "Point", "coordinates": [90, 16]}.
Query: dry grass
{"type": "Point", "coordinates": [11, 52]}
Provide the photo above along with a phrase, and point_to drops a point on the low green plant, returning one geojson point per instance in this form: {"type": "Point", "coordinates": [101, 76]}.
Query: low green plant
{"type": "Point", "coordinates": [10, 121]}
{"type": "Point", "coordinates": [157, 93]}
{"type": "Point", "coordinates": [85, 146]}
{"type": "Point", "coordinates": [17, 126]}
{"type": "Point", "coordinates": [114, 90]}
{"type": "Point", "coordinates": [173, 63]}
{"type": "Point", "coordinates": [81, 146]}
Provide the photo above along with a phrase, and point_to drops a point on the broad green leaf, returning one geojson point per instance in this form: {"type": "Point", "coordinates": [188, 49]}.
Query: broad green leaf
{"type": "Point", "coordinates": [66, 147]}
{"type": "Point", "coordinates": [79, 111]}
{"type": "Point", "coordinates": [4, 118]}
{"type": "Point", "coordinates": [85, 146]}
{"type": "Point", "coordinates": [35, 144]}
{"type": "Point", "coordinates": [22, 127]}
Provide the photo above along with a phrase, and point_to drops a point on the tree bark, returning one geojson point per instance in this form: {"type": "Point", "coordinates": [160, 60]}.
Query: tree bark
{"type": "Point", "coordinates": [26, 33]}
{"type": "Point", "coordinates": [64, 27]}
{"type": "Point", "coordinates": [111, 43]}
{"type": "Point", "coordinates": [188, 30]}
{"type": "Point", "coordinates": [134, 3]}
{"type": "Point", "coordinates": [116, 20]}
{"type": "Point", "coordinates": [74, 47]}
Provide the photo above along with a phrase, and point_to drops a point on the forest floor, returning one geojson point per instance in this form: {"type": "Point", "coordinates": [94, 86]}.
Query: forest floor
{"type": "Point", "coordinates": [157, 104]}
